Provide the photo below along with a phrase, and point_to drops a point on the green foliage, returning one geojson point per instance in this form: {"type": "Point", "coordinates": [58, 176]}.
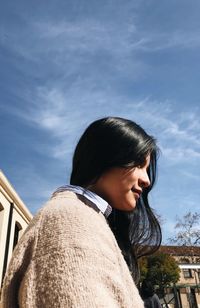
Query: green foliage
{"type": "Point", "coordinates": [160, 268]}
{"type": "Point", "coordinates": [143, 268]}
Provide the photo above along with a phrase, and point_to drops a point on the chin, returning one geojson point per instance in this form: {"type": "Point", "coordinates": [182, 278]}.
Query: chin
{"type": "Point", "coordinates": [126, 207]}
{"type": "Point", "coordinates": [130, 207]}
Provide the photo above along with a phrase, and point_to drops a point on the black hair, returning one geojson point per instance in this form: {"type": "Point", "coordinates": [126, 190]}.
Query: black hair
{"type": "Point", "coordinates": [147, 289]}
{"type": "Point", "coordinates": [117, 142]}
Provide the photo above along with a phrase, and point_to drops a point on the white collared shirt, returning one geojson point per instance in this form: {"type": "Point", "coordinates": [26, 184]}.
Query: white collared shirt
{"type": "Point", "coordinates": [101, 204]}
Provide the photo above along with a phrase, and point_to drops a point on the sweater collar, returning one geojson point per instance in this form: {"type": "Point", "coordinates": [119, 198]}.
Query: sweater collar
{"type": "Point", "coordinates": [101, 204]}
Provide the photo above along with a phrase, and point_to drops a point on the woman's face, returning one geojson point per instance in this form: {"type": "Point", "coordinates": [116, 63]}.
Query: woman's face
{"type": "Point", "coordinates": [122, 187]}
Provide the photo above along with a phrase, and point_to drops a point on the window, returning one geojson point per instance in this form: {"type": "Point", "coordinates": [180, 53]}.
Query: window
{"type": "Point", "coordinates": [187, 273]}
{"type": "Point", "coordinates": [1, 218]}
{"type": "Point", "coordinates": [16, 234]}
{"type": "Point", "coordinates": [198, 274]}
{"type": "Point", "coordinates": [184, 260]}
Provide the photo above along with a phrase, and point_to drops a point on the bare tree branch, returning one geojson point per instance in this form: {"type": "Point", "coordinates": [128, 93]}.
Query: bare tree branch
{"type": "Point", "coordinates": [188, 233]}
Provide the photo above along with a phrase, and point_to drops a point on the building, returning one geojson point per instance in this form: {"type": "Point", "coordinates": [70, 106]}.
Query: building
{"type": "Point", "coordinates": [14, 218]}
{"type": "Point", "coordinates": [186, 292]}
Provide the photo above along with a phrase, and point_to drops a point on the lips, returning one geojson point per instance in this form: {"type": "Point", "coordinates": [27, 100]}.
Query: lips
{"type": "Point", "coordinates": [137, 192]}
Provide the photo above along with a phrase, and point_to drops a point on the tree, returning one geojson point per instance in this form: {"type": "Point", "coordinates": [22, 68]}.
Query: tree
{"type": "Point", "coordinates": [188, 235]}
{"type": "Point", "coordinates": [188, 230]}
{"type": "Point", "coordinates": [161, 269]}
{"type": "Point", "coordinates": [143, 264]}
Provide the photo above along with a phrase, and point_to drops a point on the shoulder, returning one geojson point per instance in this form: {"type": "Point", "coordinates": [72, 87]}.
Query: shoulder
{"type": "Point", "coordinates": [67, 217]}
{"type": "Point", "coordinates": [156, 301]}
{"type": "Point", "coordinates": [67, 207]}
{"type": "Point", "coordinates": [155, 297]}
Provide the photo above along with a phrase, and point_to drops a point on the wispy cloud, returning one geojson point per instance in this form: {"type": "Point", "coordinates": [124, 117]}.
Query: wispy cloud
{"type": "Point", "coordinates": [71, 46]}
{"type": "Point", "coordinates": [82, 39]}
{"type": "Point", "coordinates": [65, 70]}
{"type": "Point", "coordinates": [177, 155]}
{"type": "Point", "coordinates": [65, 113]}
{"type": "Point", "coordinates": [153, 42]}
{"type": "Point", "coordinates": [87, 35]}
{"type": "Point", "coordinates": [121, 40]}
{"type": "Point", "coordinates": [191, 175]}
{"type": "Point", "coordinates": [87, 55]}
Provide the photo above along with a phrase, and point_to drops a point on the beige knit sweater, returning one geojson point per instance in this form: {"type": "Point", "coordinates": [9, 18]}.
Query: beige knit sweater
{"type": "Point", "coordinates": [68, 257]}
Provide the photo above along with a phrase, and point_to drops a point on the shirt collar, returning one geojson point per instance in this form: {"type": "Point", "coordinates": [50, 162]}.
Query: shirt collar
{"type": "Point", "coordinates": [101, 204]}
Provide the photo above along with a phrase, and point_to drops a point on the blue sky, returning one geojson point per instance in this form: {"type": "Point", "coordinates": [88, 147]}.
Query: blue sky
{"type": "Point", "coordinates": [67, 63]}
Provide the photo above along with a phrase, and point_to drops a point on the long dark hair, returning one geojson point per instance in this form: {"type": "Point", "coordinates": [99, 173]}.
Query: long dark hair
{"type": "Point", "coordinates": [147, 289]}
{"type": "Point", "coordinates": [117, 142]}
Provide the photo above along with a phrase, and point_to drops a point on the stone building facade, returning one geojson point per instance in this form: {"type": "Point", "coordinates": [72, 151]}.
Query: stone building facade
{"type": "Point", "coordinates": [14, 218]}
{"type": "Point", "coordinates": [186, 292]}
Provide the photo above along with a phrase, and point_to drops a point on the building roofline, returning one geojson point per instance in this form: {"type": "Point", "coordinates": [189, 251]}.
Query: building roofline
{"type": "Point", "coordinates": [180, 250]}
{"type": "Point", "coordinates": [12, 194]}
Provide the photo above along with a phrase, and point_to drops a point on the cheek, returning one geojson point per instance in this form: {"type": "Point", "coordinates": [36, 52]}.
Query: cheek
{"type": "Point", "coordinates": [127, 202]}
{"type": "Point", "coordinates": [118, 193]}
{"type": "Point", "coordinates": [129, 181]}
{"type": "Point", "coordinates": [117, 186]}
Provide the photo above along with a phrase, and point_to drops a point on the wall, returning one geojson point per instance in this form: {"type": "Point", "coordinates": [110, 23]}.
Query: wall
{"type": "Point", "coordinates": [14, 219]}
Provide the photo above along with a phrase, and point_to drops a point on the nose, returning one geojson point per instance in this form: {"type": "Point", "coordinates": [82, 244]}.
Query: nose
{"type": "Point", "coordinates": [144, 181]}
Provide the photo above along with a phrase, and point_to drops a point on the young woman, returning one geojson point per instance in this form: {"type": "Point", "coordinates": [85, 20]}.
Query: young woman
{"type": "Point", "coordinates": [81, 249]}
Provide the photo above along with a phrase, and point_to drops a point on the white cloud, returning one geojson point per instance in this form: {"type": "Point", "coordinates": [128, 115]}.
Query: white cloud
{"type": "Point", "coordinates": [184, 135]}
{"type": "Point", "coordinates": [65, 105]}
{"type": "Point", "coordinates": [65, 41]}
{"type": "Point", "coordinates": [64, 113]}
{"type": "Point", "coordinates": [190, 175]}
{"type": "Point", "coordinates": [179, 154]}
{"type": "Point", "coordinates": [91, 35]}
{"type": "Point", "coordinates": [74, 73]}
{"type": "Point", "coordinates": [153, 42]}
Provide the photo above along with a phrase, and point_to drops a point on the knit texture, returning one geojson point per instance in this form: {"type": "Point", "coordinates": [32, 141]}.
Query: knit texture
{"type": "Point", "coordinates": [68, 257]}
